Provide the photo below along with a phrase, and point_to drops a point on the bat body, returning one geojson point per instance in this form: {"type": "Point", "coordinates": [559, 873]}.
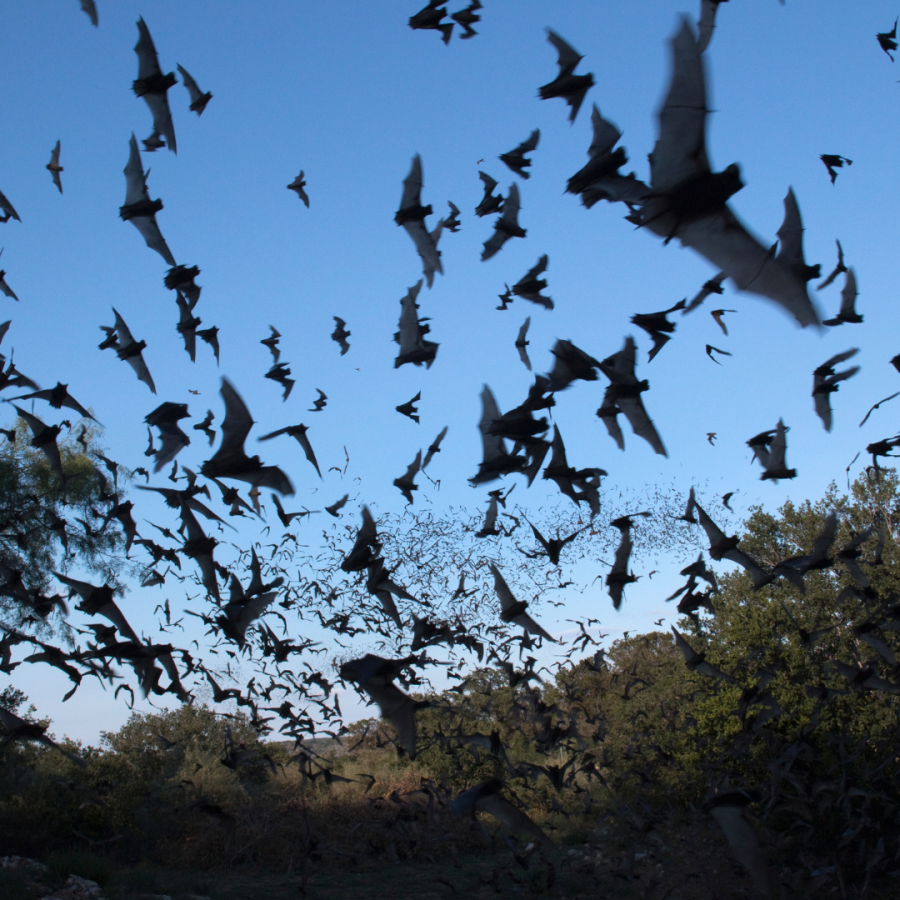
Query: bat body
{"type": "Point", "coordinates": [769, 448]}
{"type": "Point", "coordinates": [411, 216]}
{"type": "Point", "coordinates": [272, 343]}
{"type": "Point", "coordinates": [297, 186]}
{"type": "Point", "coordinates": [657, 326]}
{"type": "Point", "coordinates": [173, 439]}
{"type": "Point", "coordinates": [280, 373]}
{"type": "Point", "coordinates": [506, 227]}
{"type": "Point", "coordinates": [567, 84]}
{"type": "Point", "coordinates": [181, 280]}
{"type": "Point", "coordinates": [496, 459]}
{"type": "Point", "coordinates": [452, 223]}
{"type": "Point", "coordinates": [152, 85]}
{"type": "Point", "coordinates": [139, 209]}
{"type": "Point", "coordinates": [187, 326]}
{"type": "Point", "coordinates": [89, 7]}
{"type": "Point", "coordinates": [529, 287]}
{"type": "Point", "coordinates": [515, 158]}
{"type": "Point", "coordinates": [199, 99]}
{"type": "Point", "coordinates": [414, 348]}
{"type": "Point", "coordinates": [435, 447]}
{"type": "Point", "coordinates": [340, 334]}
{"type": "Point", "coordinates": [429, 18]}
{"type": "Point", "coordinates": [466, 18]}
{"type": "Point", "coordinates": [577, 484]}
{"type": "Point", "coordinates": [722, 547]}
{"type": "Point", "coordinates": [522, 343]}
{"type": "Point", "coordinates": [58, 397]}
{"type": "Point", "coordinates": [44, 438]}
{"type": "Point", "coordinates": [833, 162]}
{"type": "Point", "coordinates": [405, 482]}
{"type": "Point", "coordinates": [847, 312]}
{"type": "Point", "coordinates": [713, 286]}
{"type": "Point", "coordinates": [7, 208]}
{"type": "Point", "coordinates": [887, 40]}
{"type": "Point", "coordinates": [211, 337]}
{"type": "Point", "coordinates": [409, 409]}
{"type": "Point", "coordinates": [619, 575]}
{"type": "Point", "coordinates": [490, 202]}
{"type": "Point", "coordinates": [826, 381]}
{"type": "Point", "coordinates": [837, 270]}
{"type": "Point", "coordinates": [131, 351]}
{"type": "Point", "coordinates": [54, 167]}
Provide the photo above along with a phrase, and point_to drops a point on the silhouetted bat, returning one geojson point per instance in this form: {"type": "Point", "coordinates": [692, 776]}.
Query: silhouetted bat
{"type": "Point", "coordinates": [58, 397]}
{"type": "Point", "coordinates": [657, 326]}
{"type": "Point", "coordinates": [513, 610]}
{"type": "Point", "coordinates": [570, 363]}
{"type": "Point", "coordinates": [707, 24]}
{"type": "Point", "coordinates": [567, 84]}
{"type": "Point", "coordinates": [242, 611]}
{"type": "Point", "coordinates": [54, 167]}
{"type": "Point", "coordinates": [8, 208]}
{"type": "Point", "coordinates": [405, 481]}
{"type": "Point", "coordinates": [577, 484]}
{"type": "Point", "coordinates": [272, 343]}
{"type": "Point", "coordinates": [770, 447]}
{"type": "Point", "coordinates": [875, 406]}
{"type": "Point", "coordinates": [496, 459]}
{"type": "Point", "coordinates": [687, 200]}
{"type": "Point", "coordinates": [17, 729]}
{"type": "Point", "coordinates": [695, 661]}
{"type": "Point", "coordinates": [826, 381]}
{"type": "Point", "coordinates": [886, 40]}
{"type": "Point", "coordinates": [335, 507]}
{"type": "Point", "coordinates": [530, 286]}
{"type": "Point", "coordinates": [198, 98]}
{"type": "Point", "coordinates": [840, 267]}
{"type": "Point", "coordinates": [833, 162]}
{"type": "Point", "coordinates": [408, 409]}
{"type": "Point", "coordinates": [204, 427]}
{"type": "Point", "coordinates": [280, 373]}
{"type": "Point", "coordinates": [187, 326]}
{"type": "Point", "coordinates": [713, 286]}
{"type": "Point", "coordinates": [320, 403]}
{"type": "Point", "coordinates": [521, 343]}
{"type": "Point", "coordinates": [297, 186]}
{"type": "Point", "coordinates": [90, 7]}
{"type": "Point", "coordinates": [710, 350]}
{"type": "Point", "coordinates": [619, 575]}
{"type": "Point", "coordinates": [366, 546]}
{"type": "Point", "coordinates": [44, 438]}
{"type": "Point", "coordinates": [847, 312]}
{"type": "Point", "coordinates": [466, 18]}
{"type": "Point", "coordinates": [5, 287]}
{"type": "Point", "coordinates": [429, 19]}
{"type": "Point", "coordinates": [435, 447]}
{"type": "Point", "coordinates": [174, 440]}
{"type": "Point", "coordinates": [515, 159]}
{"type": "Point", "coordinates": [452, 223]}
{"type": "Point", "coordinates": [414, 348]}
{"type": "Point", "coordinates": [298, 432]}
{"type": "Point", "coordinates": [553, 547]}
{"type": "Point", "coordinates": [340, 334]}
{"type": "Point", "coordinates": [131, 351]}
{"type": "Point", "coordinates": [152, 85]}
{"type": "Point", "coordinates": [139, 209]}
{"type": "Point", "coordinates": [411, 216]}
{"type": "Point", "coordinates": [717, 315]}
{"type": "Point", "coordinates": [490, 203]}
{"type": "Point", "coordinates": [211, 336]}
{"type": "Point", "coordinates": [181, 280]}
{"type": "Point", "coordinates": [286, 517]}
{"type": "Point", "coordinates": [230, 461]}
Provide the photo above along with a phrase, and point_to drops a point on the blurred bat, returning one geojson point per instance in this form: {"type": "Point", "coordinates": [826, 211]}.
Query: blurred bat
{"type": "Point", "coordinates": [152, 85]}
{"type": "Point", "coordinates": [54, 167]}
{"type": "Point", "coordinates": [571, 87]}
{"type": "Point", "coordinates": [515, 158]}
{"type": "Point", "coordinates": [198, 98]}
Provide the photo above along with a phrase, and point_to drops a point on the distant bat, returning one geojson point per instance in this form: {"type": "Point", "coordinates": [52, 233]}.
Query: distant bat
{"type": "Point", "coordinates": [297, 186]}
{"type": "Point", "coordinates": [429, 18]}
{"type": "Point", "coordinates": [837, 270]}
{"type": "Point", "coordinates": [769, 448]}
{"type": "Point", "coordinates": [512, 610]}
{"type": "Point", "coordinates": [717, 315]}
{"type": "Point", "coordinates": [272, 343]}
{"type": "Point", "coordinates": [725, 500]}
{"type": "Point", "coordinates": [887, 40]}
{"type": "Point", "coordinates": [152, 85]}
{"type": "Point", "coordinates": [280, 373]}
{"type": "Point", "coordinates": [506, 227]}
{"type": "Point", "coordinates": [7, 290]}
{"type": "Point", "coordinates": [833, 162]}
{"type": "Point", "coordinates": [131, 351]}
{"type": "Point", "coordinates": [204, 426]}
{"type": "Point", "coordinates": [211, 337]}
{"type": "Point", "coordinates": [435, 447]}
{"type": "Point", "coordinates": [298, 432]}
{"type": "Point", "coordinates": [411, 216]}
{"type": "Point", "coordinates": [54, 167]}
{"type": "Point", "coordinates": [847, 312]}
{"type": "Point", "coordinates": [553, 547]}
{"type": "Point", "coordinates": [567, 84]}
{"type": "Point", "coordinates": [198, 98]}
{"type": "Point", "coordinates": [658, 327]}
{"type": "Point", "coordinates": [875, 406]}
{"type": "Point", "coordinates": [405, 482]}
{"type": "Point", "coordinates": [340, 334]}
{"type": "Point", "coordinates": [139, 209]}
{"type": "Point", "coordinates": [619, 575]}
{"type": "Point", "coordinates": [466, 18]}
{"type": "Point", "coordinates": [187, 326]}
{"type": "Point", "coordinates": [713, 286]}
{"type": "Point", "coordinates": [515, 158]}
{"type": "Point", "coordinates": [529, 287]}
{"type": "Point", "coordinates": [490, 202]}
{"type": "Point", "coordinates": [408, 409]}
{"type": "Point", "coordinates": [335, 507]}
{"type": "Point", "coordinates": [522, 344]}
{"type": "Point", "coordinates": [826, 381]}
{"type": "Point", "coordinates": [173, 439]}
{"type": "Point", "coordinates": [710, 350]}
{"type": "Point", "coordinates": [695, 661]}
{"type": "Point", "coordinates": [320, 403]}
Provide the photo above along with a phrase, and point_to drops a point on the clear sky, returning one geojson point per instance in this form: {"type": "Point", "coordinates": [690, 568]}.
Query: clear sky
{"type": "Point", "coordinates": [348, 93]}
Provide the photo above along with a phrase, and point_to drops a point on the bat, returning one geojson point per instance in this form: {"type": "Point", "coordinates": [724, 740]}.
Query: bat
{"type": "Point", "coordinates": [187, 326]}
{"type": "Point", "coordinates": [707, 24]}
{"type": "Point", "coordinates": [725, 499]}
{"type": "Point", "coordinates": [173, 439]}
{"type": "Point", "coordinates": [297, 186]}
{"type": "Point", "coordinates": [272, 343]}
{"type": "Point", "coordinates": [847, 312]}
{"type": "Point", "coordinates": [211, 337]}
{"type": "Point", "coordinates": [577, 484]}
{"type": "Point", "coordinates": [340, 334]}
{"type": "Point", "coordinates": [570, 363]}
{"type": "Point", "coordinates": [152, 85]}
{"type": "Point", "coordinates": [435, 447]}
{"type": "Point", "coordinates": [44, 438]}
{"type": "Point", "coordinates": [869, 413]}
{"type": "Point", "coordinates": [9, 209]}
{"type": "Point", "coordinates": [242, 611]}
{"type": "Point", "coordinates": [619, 575]}
{"type": "Point", "coordinates": [826, 381]}
{"type": "Point", "coordinates": [298, 432]}
{"type": "Point", "coordinates": [230, 460]}
{"type": "Point", "coordinates": [710, 350]}
{"type": "Point", "coordinates": [405, 481]}
{"type": "Point", "coordinates": [600, 178]}
{"type": "Point", "coordinates": [713, 286]}
{"type": "Point", "coordinates": [139, 209]}
{"type": "Point", "coordinates": [466, 18]}
{"type": "Point", "coordinates": [366, 546]}
{"type": "Point", "coordinates": [414, 348]}
{"type": "Point", "coordinates": [522, 344]}
{"type": "Point", "coordinates": [408, 409]}
{"type": "Point", "coordinates": [286, 517]}
{"type": "Point", "coordinates": [553, 547]}
{"type": "Point", "coordinates": [280, 373]}
{"type": "Point", "coordinates": [887, 40]}
{"type": "Point", "coordinates": [153, 143]}
{"type": "Point", "coordinates": [496, 459]}
{"type": "Point", "coordinates": [90, 8]}
{"type": "Point", "coordinates": [689, 201]}
{"type": "Point", "coordinates": [833, 162]}
{"type": "Point", "coordinates": [17, 729]}
{"type": "Point", "coordinates": [131, 351]}
{"type": "Point", "coordinates": [840, 267]}
{"type": "Point", "coordinates": [490, 203]}
{"type": "Point", "coordinates": [769, 448]}
{"type": "Point", "coordinates": [729, 809]}
{"type": "Point", "coordinates": [796, 567]}
{"type": "Point", "coordinates": [717, 315]}
{"type": "Point", "coordinates": [5, 287]}
{"type": "Point", "coordinates": [624, 395]}
{"type": "Point", "coordinates": [181, 280]}
{"type": "Point", "coordinates": [695, 661]}
{"type": "Point", "coordinates": [198, 98]}
{"type": "Point", "coordinates": [320, 403]}
{"type": "Point", "coordinates": [513, 610]}
{"type": "Point", "coordinates": [571, 87]}
{"type": "Point", "coordinates": [429, 19]}
{"type": "Point", "coordinates": [452, 223]}
{"type": "Point", "coordinates": [515, 158]}
{"type": "Point", "coordinates": [529, 287]}
{"type": "Point", "coordinates": [54, 167]}
{"type": "Point", "coordinates": [411, 216]}
{"type": "Point", "coordinates": [658, 327]}
{"type": "Point", "coordinates": [335, 507]}
{"type": "Point", "coordinates": [722, 547]}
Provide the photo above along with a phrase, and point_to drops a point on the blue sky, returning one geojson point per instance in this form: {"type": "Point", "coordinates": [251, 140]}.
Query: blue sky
{"type": "Point", "coordinates": [348, 93]}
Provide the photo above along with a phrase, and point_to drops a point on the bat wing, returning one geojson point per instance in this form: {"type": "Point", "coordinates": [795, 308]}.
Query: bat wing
{"type": "Point", "coordinates": [140, 369]}
{"type": "Point", "coordinates": [531, 141]}
{"type": "Point", "coordinates": [744, 844]}
{"type": "Point", "coordinates": [609, 415]}
{"type": "Point", "coordinates": [426, 245]}
{"type": "Point", "coordinates": [641, 424]}
{"type": "Point", "coordinates": [398, 708]}
{"type": "Point", "coordinates": [506, 226]}
{"type": "Point", "coordinates": [435, 446]}
{"type": "Point", "coordinates": [568, 57]}
{"type": "Point", "coordinates": [236, 424]}
{"type": "Point", "coordinates": [412, 184]}
{"type": "Point", "coordinates": [409, 322]}
{"type": "Point", "coordinates": [8, 207]}
{"type": "Point", "coordinates": [849, 294]}
{"type": "Point", "coordinates": [504, 594]}
{"type": "Point", "coordinates": [148, 61]}
{"type": "Point", "coordinates": [494, 244]}
{"type": "Point", "coordinates": [707, 24]}
{"type": "Point", "coordinates": [135, 182]}
{"type": "Point", "coordinates": [605, 135]}
{"type": "Point", "coordinates": [492, 445]}
{"type": "Point", "coordinates": [162, 118]}
{"type": "Point", "coordinates": [89, 7]}
{"type": "Point", "coordinates": [152, 236]}
{"type": "Point", "coordinates": [196, 94]}
{"type": "Point", "coordinates": [823, 408]}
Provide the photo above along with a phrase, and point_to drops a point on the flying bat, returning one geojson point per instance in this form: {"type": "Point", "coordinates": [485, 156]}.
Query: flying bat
{"type": "Point", "coordinates": [298, 432]}
{"type": "Point", "coordinates": [567, 84]}
{"type": "Point", "coordinates": [869, 413]}
{"type": "Point", "coordinates": [280, 373]}
{"type": "Point", "coordinates": [657, 326]}
{"type": "Point", "coordinates": [230, 460]}
{"type": "Point", "coordinates": [58, 397]}
{"type": "Point", "coordinates": [181, 280]}
{"type": "Point", "coordinates": [515, 158]}
{"type": "Point", "coordinates": [710, 350]}
{"type": "Point", "coordinates": [577, 484]}
{"type": "Point", "coordinates": [887, 40]}
{"type": "Point", "coordinates": [54, 167]}
{"type": "Point", "coordinates": [490, 202]}
{"type": "Point", "coordinates": [365, 547]}
{"type": "Point", "coordinates": [7, 208]}
{"type": "Point", "coordinates": [847, 312]}
{"type": "Point", "coordinates": [570, 363]}
{"type": "Point", "coordinates": [405, 481]}
{"type": "Point", "coordinates": [496, 459]}
{"type": "Point", "coordinates": [139, 209]}
{"type": "Point", "coordinates": [689, 201]}
{"type": "Point", "coordinates": [769, 448]}
{"type": "Point", "coordinates": [717, 315]}
{"type": "Point", "coordinates": [44, 439]}
{"type": "Point", "coordinates": [199, 99]}
{"type": "Point", "coordinates": [553, 546]}
{"type": "Point", "coordinates": [131, 351]}
{"type": "Point", "coordinates": [320, 403]}
{"type": "Point", "coordinates": [506, 226]}
{"type": "Point", "coordinates": [619, 575]}
{"type": "Point", "coordinates": [204, 427]}
{"type": "Point", "coordinates": [452, 223]}
{"type": "Point", "coordinates": [411, 216]}
{"type": "Point", "coordinates": [414, 348]}
{"type": "Point", "coordinates": [272, 343]}
{"type": "Point", "coordinates": [513, 610]}
{"type": "Point", "coordinates": [840, 267]}
{"type": "Point", "coordinates": [695, 661]}
{"type": "Point", "coordinates": [152, 85]}
{"type": "Point", "coordinates": [5, 287]}
{"type": "Point", "coordinates": [340, 334]}
{"type": "Point", "coordinates": [173, 439]}
{"type": "Point", "coordinates": [529, 287]}
{"type": "Point", "coordinates": [722, 547]}
{"type": "Point", "coordinates": [211, 337]}
{"type": "Point", "coordinates": [435, 447]}
{"type": "Point", "coordinates": [826, 381]}
{"type": "Point", "coordinates": [187, 326]}
{"type": "Point", "coordinates": [522, 344]}
{"type": "Point", "coordinates": [297, 186]}
{"type": "Point", "coordinates": [408, 409]}
{"type": "Point", "coordinates": [335, 507]}
{"type": "Point", "coordinates": [833, 162]}
{"type": "Point", "coordinates": [713, 286]}
{"type": "Point", "coordinates": [466, 18]}
{"type": "Point", "coordinates": [429, 19]}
